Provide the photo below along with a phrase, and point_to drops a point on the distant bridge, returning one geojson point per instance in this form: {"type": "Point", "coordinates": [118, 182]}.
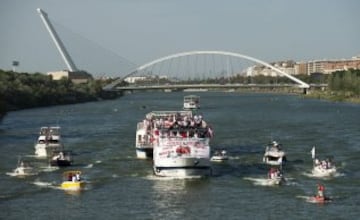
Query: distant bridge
{"type": "Point", "coordinates": [165, 67]}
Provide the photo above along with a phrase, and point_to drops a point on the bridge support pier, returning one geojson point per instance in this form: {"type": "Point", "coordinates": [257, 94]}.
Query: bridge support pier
{"type": "Point", "coordinates": [305, 91]}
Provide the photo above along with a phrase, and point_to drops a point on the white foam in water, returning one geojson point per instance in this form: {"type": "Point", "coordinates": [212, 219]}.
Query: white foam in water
{"type": "Point", "coordinates": [311, 199]}
{"type": "Point", "coordinates": [310, 174]}
{"type": "Point", "coordinates": [89, 165]}
{"type": "Point", "coordinates": [154, 177]}
{"type": "Point", "coordinates": [98, 161]}
{"type": "Point", "coordinates": [40, 183]}
{"type": "Point", "coordinates": [21, 175]}
{"type": "Point", "coordinates": [259, 181]}
{"type": "Point", "coordinates": [49, 169]}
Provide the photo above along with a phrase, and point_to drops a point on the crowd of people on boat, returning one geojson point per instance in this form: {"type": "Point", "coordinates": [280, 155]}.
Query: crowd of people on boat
{"type": "Point", "coordinates": [324, 164]}
{"type": "Point", "coordinates": [177, 125]}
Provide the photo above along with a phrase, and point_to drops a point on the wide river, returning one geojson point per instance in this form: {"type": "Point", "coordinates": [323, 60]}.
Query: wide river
{"type": "Point", "coordinates": [102, 137]}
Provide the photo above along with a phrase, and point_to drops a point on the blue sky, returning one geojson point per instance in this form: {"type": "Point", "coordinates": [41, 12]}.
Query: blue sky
{"type": "Point", "coordinates": [144, 30]}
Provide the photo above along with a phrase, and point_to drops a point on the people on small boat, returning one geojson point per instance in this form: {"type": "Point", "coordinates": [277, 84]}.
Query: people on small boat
{"type": "Point", "coordinates": [60, 156]}
{"type": "Point", "coordinates": [324, 164]}
{"type": "Point", "coordinates": [220, 153]}
{"type": "Point", "coordinates": [74, 177]}
{"type": "Point", "coordinates": [274, 173]}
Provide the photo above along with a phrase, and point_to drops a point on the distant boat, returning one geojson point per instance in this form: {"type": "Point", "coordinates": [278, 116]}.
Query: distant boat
{"type": "Point", "coordinates": [191, 102]}
{"type": "Point", "coordinates": [274, 155]}
{"type": "Point", "coordinates": [49, 140]}
{"type": "Point", "coordinates": [23, 169]}
{"type": "Point", "coordinates": [275, 177]}
{"type": "Point", "coordinates": [61, 158]}
{"type": "Point", "coordinates": [219, 156]}
{"type": "Point", "coordinates": [322, 168]}
{"type": "Point", "coordinates": [72, 181]}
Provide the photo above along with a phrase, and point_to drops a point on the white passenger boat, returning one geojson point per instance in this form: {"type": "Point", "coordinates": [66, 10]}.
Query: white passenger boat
{"type": "Point", "coordinates": [219, 156]}
{"type": "Point", "coordinates": [274, 155]}
{"type": "Point", "coordinates": [181, 146]}
{"type": "Point", "coordinates": [191, 102]}
{"type": "Point", "coordinates": [322, 168]}
{"type": "Point", "coordinates": [49, 140]}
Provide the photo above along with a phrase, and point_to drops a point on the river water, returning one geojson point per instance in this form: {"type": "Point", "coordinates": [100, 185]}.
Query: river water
{"type": "Point", "coordinates": [102, 136]}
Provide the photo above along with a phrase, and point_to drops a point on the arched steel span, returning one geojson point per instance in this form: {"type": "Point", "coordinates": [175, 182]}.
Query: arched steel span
{"type": "Point", "coordinates": [225, 53]}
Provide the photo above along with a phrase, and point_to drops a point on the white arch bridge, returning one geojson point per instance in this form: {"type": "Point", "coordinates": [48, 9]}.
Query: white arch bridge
{"type": "Point", "coordinates": [203, 69]}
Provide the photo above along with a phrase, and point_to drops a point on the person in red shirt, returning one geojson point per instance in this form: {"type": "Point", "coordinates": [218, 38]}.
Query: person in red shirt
{"type": "Point", "coordinates": [321, 190]}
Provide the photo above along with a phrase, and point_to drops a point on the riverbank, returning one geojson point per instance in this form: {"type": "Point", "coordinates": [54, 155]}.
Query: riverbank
{"type": "Point", "coordinates": [24, 91]}
{"type": "Point", "coordinates": [334, 96]}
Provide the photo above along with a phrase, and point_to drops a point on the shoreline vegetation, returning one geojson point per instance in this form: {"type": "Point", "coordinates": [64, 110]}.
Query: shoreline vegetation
{"type": "Point", "coordinates": [334, 96]}
{"type": "Point", "coordinates": [343, 86]}
{"type": "Point", "coordinates": [25, 90]}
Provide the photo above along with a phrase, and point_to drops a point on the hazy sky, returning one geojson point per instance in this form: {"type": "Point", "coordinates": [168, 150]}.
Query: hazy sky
{"type": "Point", "coordinates": [144, 30]}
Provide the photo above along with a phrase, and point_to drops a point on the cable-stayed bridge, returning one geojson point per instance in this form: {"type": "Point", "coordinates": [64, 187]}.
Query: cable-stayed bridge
{"type": "Point", "coordinates": [192, 70]}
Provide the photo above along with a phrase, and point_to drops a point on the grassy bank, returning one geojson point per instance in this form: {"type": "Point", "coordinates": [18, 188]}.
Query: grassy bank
{"type": "Point", "coordinates": [335, 96]}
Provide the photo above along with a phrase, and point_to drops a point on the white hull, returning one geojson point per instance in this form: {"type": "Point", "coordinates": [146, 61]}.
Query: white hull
{"type": "Point", "coordinates": [276, 181]}
{"type": "Point", "coordinates": [323, 172]}
{"type": "Point", "coordinates": [191, 107]}
{"type": "Point", "coordinates": [44, 150]}
{"type": "Point", "coordinates": [182, 167]}
{"type": "Point", "coordinates": [23, 171]}
{"type": "Point", "coordinates": [275, 158]}
{"type": "Point", "coordinates": [219, 158]}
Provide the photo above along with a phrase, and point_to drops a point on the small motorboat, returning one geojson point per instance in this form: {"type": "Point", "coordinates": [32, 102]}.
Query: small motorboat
{"type": "Point", "coordinates": [219, 156]}
{"type": "Point", "coordinates": [319, 199]}
{"type": "Point", "coordinates": [24, 169]}
{"type": "Point", "coordinates": [275, 177]}
{"type": "Point", "coordinates": [274, 155]}
{"type": "Point", "coordinates": [191, 102]}
{"type": "Point", "coordinates": [72, 181]}
{"type": "Point", "coordinates": [322, 168]}
{"type": "Point", "coordinates": [61, 158]}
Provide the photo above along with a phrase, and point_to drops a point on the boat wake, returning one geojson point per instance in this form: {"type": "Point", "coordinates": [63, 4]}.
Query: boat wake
{"type": "Point", "coordinates": [89, 166]}
{"type": "Point", "coordinates": [45, 184]}
{"type": "Point", "coordinates": [20, 175]}
{"type": "Point", "coordinates": [312, 175]}
{"type": "Point", "coordinates": [311, 199]}
{"type": "Point", "coordinates": [153, 177]}
{"type": "Point", "coordinates": [259, 181]}
{"type": "Point", "coordinates": [266, 182]}
{"type": "Point", "coordinates": [49, 169]}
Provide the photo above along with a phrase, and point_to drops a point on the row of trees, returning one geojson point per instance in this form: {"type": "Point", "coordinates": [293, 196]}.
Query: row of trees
{"type": "Point", "coordinates": [24, 90]}
{"type": "Point", "coordinates": [345, 81]}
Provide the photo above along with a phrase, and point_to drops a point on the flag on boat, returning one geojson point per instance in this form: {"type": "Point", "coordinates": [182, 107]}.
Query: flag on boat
{"type": "Point", "coordinates": [313, 153]}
